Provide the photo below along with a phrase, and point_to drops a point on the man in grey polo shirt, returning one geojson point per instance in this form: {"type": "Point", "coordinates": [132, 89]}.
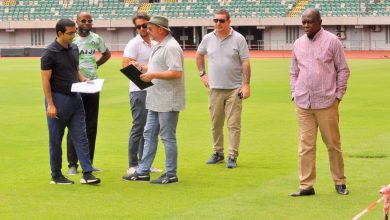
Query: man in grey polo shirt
{"type": "Point", "coordinates": [228, 81]}
{"type": "Point", "coordinates": [164, 100]}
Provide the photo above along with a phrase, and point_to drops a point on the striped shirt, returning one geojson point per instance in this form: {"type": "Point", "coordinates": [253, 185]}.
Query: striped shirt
{"type": "Point", "coordinates": [319, 71]}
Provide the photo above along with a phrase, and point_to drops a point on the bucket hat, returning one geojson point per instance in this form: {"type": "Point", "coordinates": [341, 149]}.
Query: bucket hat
{"type": "Point", "coordinates": [160, 21]}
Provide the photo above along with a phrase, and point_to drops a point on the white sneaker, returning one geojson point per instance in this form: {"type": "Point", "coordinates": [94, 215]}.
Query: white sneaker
{"type": "Point", "coordinates": [72, 171]}
{"type": "Point", "coordinates": [131, 170]}
{"type": "Point", "coordinates": [155, 170]}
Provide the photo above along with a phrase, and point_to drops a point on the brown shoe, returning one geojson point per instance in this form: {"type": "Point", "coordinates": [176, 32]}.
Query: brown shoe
{"type": "Point", "coordinates": [303, 192]}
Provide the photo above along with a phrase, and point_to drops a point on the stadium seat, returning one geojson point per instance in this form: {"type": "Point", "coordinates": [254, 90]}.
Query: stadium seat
{"type": "Point", "coordinates": [113, 9]}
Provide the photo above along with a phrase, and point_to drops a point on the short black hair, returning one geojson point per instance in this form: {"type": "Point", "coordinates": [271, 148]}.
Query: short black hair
{"type": "Point", "coordinates": [223, 12]}
{"type": "Point", "coordinates": [63, 23]}
{"type": "Point", "coordinates": [141, 15]}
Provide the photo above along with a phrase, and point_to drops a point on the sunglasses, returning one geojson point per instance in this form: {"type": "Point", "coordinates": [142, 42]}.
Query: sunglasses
{"type": "Point", "coordinates": [86, 21]}
{"type": "Point", "coordinates": [143, 26]}
{"type": "Point", "coordinates": [219, 20]}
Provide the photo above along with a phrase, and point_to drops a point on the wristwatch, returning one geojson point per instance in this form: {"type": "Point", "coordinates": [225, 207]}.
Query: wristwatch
{"type": "Point", "coordinates": [202, 73]}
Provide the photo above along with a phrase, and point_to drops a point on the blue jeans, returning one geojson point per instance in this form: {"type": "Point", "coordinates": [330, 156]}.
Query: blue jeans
{"type": "Point", "coordinates": [70, 114]}
{"type": "Point", "coordinates": [163, 124]}
{"type": "Point", "coordinates": [136, 139]}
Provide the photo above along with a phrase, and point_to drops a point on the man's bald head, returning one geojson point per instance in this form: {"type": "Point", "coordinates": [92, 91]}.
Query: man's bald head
{"type": "Point", "coordinates": [312, 12]}
{"type": "Point", "coordinates": [83, 13]}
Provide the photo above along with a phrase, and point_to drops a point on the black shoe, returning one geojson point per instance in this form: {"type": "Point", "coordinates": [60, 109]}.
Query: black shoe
{"type": "Point", "coordinates": [88, 178]}
{"type": "Point", "coordinates": [165, 179]}
{"type": "Point", "coordinates": [61, 180]}
{"type": "Point", "coordinates": [136, 177]}
{"type": "Point", "coordinates": [342, 189]}
{"type": "Point", "coordinates": [231, 163]}
{"type": "Point", "coordinates": [303, 192]}
{"type": "Point", "coordinates": [216, 158]}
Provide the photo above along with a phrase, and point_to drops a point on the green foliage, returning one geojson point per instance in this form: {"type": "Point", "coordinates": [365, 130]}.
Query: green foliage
{"type": "Point", "coordinates": [257, 189]}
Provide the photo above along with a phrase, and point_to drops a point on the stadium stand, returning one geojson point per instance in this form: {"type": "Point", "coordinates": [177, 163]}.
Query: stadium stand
{"type": "Point", "coordinates": [266, 24]}
{"type": "Point", "coordinates": [337, 8]}
{"type": "Point", "coordinates": [24, 10]}
{"type": "Point", "coordinates": [345, 8]}
{"type": "Point", "coordinates": [115, 9]}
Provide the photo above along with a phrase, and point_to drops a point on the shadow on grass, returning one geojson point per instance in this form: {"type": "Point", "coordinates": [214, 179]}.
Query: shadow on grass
{"type": "Point", "coordinates": [368, 155]}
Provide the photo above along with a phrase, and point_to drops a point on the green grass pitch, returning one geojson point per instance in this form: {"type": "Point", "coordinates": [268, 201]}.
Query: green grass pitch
{"type": "Point", "coordinates": [257, 189]}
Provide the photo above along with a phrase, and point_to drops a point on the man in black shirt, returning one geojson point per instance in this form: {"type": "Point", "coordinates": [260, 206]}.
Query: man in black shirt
{"type": "Point", "coordinates": [59, 69]}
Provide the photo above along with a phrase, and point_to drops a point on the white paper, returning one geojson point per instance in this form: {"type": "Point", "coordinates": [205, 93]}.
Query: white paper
{"type": "Point", "coordinates": [91, 86]}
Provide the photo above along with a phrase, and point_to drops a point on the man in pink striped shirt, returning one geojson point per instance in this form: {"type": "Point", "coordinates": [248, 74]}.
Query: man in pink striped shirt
{"type": "Point", "coordinates": [318, 79]}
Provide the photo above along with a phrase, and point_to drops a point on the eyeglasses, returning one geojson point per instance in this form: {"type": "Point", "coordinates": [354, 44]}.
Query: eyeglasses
{"type": "Point", "coordinates": [219, 20]}
{"type": "Point", "coordinates": [70, 33]}
{"type": "Point", "coordinates": [143, 26]}
{"type": "Point", "coordinates": [86, 21]}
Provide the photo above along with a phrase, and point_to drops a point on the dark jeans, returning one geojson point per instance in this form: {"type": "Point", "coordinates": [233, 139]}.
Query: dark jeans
{"type": "Point", "coordinates": [91, 108]}
{"type": "Point", "coordinates": [136, 139]}
{"type": "Point", "coordinates": [70, 114]}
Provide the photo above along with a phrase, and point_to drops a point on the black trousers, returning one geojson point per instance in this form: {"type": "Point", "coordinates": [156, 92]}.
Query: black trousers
{"type": "Point", "coordinates": [91, 108]}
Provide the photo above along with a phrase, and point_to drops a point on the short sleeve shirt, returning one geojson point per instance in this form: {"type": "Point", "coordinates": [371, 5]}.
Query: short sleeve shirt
{"type": "Point", "coordinates": [63, 62]}
{"type": "Point", "coordinates": [166, 95]}
{"type": "Point", "coordinates": [224, 59]}
{"type": "Point", "coordinates": [138, 50]}
{"type": "Point", "coordinates": [87, 48]}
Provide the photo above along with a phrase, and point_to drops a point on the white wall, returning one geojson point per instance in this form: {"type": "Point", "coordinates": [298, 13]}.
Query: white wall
{"type": "Point", "coordinates": [117, 39]}
{"type": "Point", "coordinates": [274, 35]}
{"type": "Point", "coordinates": [378, 41]}
{"type": "Point", "coordinates": [275, 38]}
{"type": "Point", "coordinates": [50, 36]}
{"type": "Point", "coordinates": [124, 36]}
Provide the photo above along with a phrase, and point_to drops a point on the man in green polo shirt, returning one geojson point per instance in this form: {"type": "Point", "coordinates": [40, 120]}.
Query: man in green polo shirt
{"type": "Point", "coordinates": [88, 43]}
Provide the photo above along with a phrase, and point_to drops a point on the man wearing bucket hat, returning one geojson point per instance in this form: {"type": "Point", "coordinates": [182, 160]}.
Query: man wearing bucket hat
{"type": "Point", "coordinates": [164, 100]}
{"type": "Point", "coordinates": [138, 50]}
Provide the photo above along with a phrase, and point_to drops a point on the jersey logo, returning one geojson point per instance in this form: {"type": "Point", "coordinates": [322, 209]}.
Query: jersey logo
{"type": "Point", "coordinates": [91, 51]}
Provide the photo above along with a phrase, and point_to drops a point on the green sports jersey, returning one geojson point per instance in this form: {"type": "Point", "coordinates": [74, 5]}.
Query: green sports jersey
{"type": "Point", "coordinates": [87, 49]}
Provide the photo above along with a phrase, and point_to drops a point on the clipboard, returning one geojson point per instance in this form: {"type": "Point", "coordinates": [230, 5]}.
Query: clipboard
{"type": "Point", "coordinates": [134, 75]}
